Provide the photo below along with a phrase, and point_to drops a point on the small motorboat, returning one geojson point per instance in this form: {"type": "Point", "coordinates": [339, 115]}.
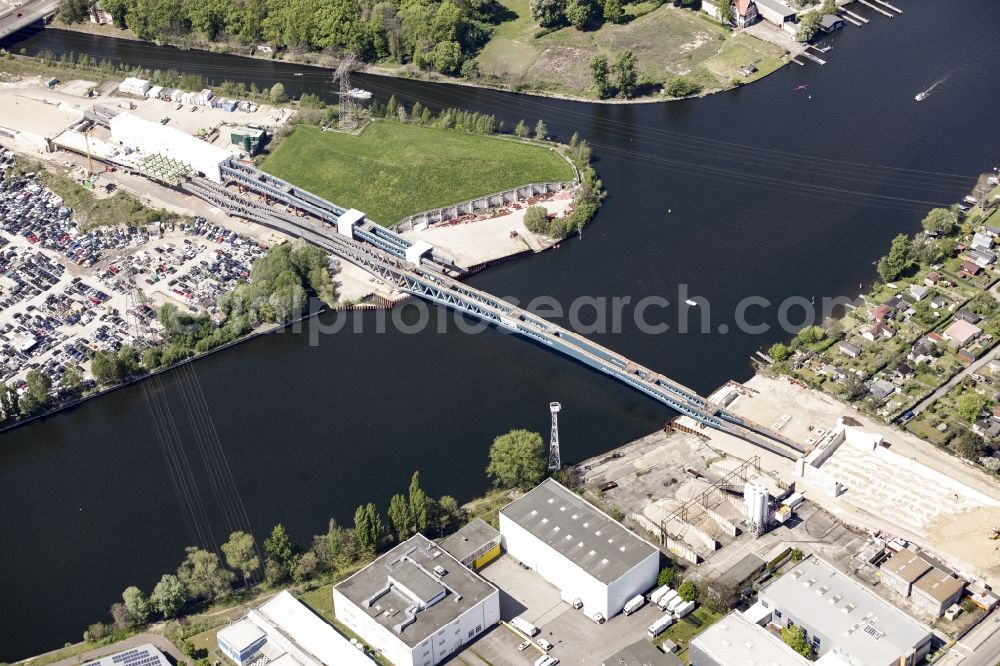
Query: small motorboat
{"type": "Point", "coordinates": [297, 74]}
{"type": "Point", "coordinates": [804, 86]}
{"type": "Point", "coordinates": [921, 96]}
{"type": "Point", "coordinates": [359, 93]}
{"type": "Point", "coordinates": [691, 302]}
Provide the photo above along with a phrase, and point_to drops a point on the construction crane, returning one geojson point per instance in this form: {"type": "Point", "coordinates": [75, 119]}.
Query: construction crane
{"type": "Point", "coordinates": [347, 119]}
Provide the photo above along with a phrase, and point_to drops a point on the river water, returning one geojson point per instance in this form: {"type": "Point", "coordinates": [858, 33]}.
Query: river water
{"type": "Point", "coordinates": [766, 191]}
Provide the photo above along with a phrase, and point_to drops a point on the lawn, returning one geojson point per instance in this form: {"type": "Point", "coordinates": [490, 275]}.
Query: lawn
{"type": "Point", "coordinates": [667, 41]}
{"type": "Point", "coordinates": [687, 628]}
{"type": "Point", "coordinates": [392, 169]}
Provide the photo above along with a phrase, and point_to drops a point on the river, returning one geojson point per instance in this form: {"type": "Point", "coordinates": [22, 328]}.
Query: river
{"type": "Point", "coordinates": [763, 191]}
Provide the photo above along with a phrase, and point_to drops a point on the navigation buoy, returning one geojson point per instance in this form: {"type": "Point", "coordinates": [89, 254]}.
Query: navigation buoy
{"type": "Point", "coordinates": [670, 210]}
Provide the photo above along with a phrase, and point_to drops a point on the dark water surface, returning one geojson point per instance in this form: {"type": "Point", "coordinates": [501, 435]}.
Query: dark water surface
{"type": "Point", "coordinates": [764, 191]}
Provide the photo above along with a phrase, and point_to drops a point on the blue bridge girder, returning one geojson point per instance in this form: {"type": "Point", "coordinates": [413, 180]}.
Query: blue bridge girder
{"type": "Point", "coordinates": [431, 285]}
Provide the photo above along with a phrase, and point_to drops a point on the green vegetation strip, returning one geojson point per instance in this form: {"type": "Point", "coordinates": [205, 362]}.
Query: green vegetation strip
{"type": "Point", "coordinates": [393, 169]}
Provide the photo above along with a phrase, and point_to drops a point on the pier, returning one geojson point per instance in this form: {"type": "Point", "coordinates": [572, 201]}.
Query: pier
{"type": "Point", "coordinates": [876, 8]}
{"type": "Point", "coordinates": [810, 56]}
{"type": "Point", "coordinates": [856, 19]}
{"type": "Point", "coordinates": [886, 4]}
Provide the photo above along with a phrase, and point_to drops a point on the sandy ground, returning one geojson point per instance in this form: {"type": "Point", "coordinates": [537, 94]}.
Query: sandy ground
{"type": "Point", "coordinates": [910, 489]}
{"type": "Point", "coordinates": [488, 238]}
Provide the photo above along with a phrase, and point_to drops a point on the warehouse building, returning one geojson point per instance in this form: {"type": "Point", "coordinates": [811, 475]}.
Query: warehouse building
{"type": "Point", "coordinates": [284, 632]}
{"type": "Point", "coordinates": [902, 570]}
{"type": "Point", "coordinates": [475, 545]}
{"type": "Point", "coordinates": [134, 86]}
{"type": "Point", "coordinates": [841, 616]}
{"type": "Point", "coordinates": [417, 604]}
{"type": "Point", "coordinates": [149, 138]}
{"type": "Point", "coordinates": [931, 589]}
{"type": "Point", "coordinates": [736, 641]}
{"type": "Point", "coordinates": [141, 655]}
{"type": "Point", "coordinates": [578, 548]}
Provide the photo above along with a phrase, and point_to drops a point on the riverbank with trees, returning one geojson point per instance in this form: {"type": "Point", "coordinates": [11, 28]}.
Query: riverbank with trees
{"type": "Point", "coordinates": [508, 45]}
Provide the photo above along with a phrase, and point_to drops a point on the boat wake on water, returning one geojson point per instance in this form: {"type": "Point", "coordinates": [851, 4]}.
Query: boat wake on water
{"type": "Point", "coordinates": [921, 96]}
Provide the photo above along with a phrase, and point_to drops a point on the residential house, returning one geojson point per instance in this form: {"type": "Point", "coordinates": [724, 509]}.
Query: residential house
{"type": "Point", "coordinates": [895, 302]}
{"type": "Point", "coordinates": [744, 12]}
{"type": "Point", "coordinates": [971, 268]}
{"type": "Point", "coordinates": [982, 258]}
{"type": "Point", "coordinates": [939, 302]}
{"type": "Point", "coordinates": [966, 315]}
{"type": "Point", "coordinates": [992, 231]}
{"type": "Point", "coordinates": [847, 349]}
{"type": "Point", "coordinates": [830, 23]}
{"type": "Point", "coordinates": [877, 331]}
{"type": "Point", "coordinates": [883, 312]}
{"type": "Point", "coordinates": [904, 371]}
{"type": "Point", "coordinates": [982, 241]}
{"type": "Point", "coordinates": [988, 428]}
{"type": "Point", "coordinates": [962, 332]}
{"type": "Point", "coordinates": [918, 292]}
{"type": "Point", "coordinates": [880, 389]}
{"type": "Point", "coordinates": [966, 356]}
{"type": "Point", "coordinates": [932, 278]}
{"type": "Point", "coordinates": [935, 338]}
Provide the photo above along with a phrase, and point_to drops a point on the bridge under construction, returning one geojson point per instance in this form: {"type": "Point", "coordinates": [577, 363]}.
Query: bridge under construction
{"type": "Point", "coordinates": [418, 270]}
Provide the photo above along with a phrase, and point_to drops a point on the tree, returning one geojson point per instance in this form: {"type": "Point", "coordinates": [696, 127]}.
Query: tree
{"type": "Point", "coordinates": [420, 504]}
{"type": "Point", "coordinates": [278, 95]}
{"type": "Point", "coordinates": [725, 12]}
{"type": "Point", "coordinates": [600, 74]}
{"type": "Point", "coordinates": [536, 220]}
{"type": "Point", "coordinates": [940, 221]}
{"type": "Point", "coordinates": [613, 11]}
{"type": "Point", "coordinates": [279, 552]}
{"type": "Point", "coordinates": [517, 460]}
{"type": "Point", "coordinates": [797, 555]}
{"type": "Point", "coordinates": [306, 566]}
{"type": "Point", "coordinates": [241, 554]}
{"type": "Point", "coordinates": [449, 513]}
{"type": "Point", "coordinates": [169, 596]}
{"type": "Point", "coordinates": [580, 13]}
{"type": "Point", "coordinates": [104, 367]}
{"type": "Point", "coordinates": [521, 129]}
{"type": "Point", "coordinates": [828, 7]}
{"type": "Point", "coordinates": [688, 591]}
{"type": "Point", "coordinates": [811, 335]}
{"type": "Point", "coordinates": [400, 517]}
{"type": "Point", "coordinates": [971, 405]}
{"type": "Point", "coordinates": [795, 638]}
{"type": "Point", "coordinates": [666, 576]}
{"type": "Point", "coordinates": [681, 86]}
{"type": "Point", "coordinates": [203, 574]}
{"type": "Point", "coordinates": [969, 445]}
{"type": "Point", "coordinates": [626, 72]}
{"type": "Point", "coordinates": [897, 261]}
{"type": "Point", "coordinates": [136, 604]}
{"type": "Point", "coordinates": [808, 26]}
{"type": "Point", "coordinates": [368, 528]}
{"type": "Point", "coordinates": [541, 130]}
{"type": "Point", "coordinates": [74, 11]}
{"type": "Point", "coordinates": [779, 351]}
{"type": "Point", "coordinates": [36, 395]}
{"type": "Point", "coordinates": [446, 56]}
{"type": "Point", "coordinates": [391, 107]}
{"type": "Point", "coordinates": [548, 13]}
{"type": "Point", "coordinates": [72, 379]}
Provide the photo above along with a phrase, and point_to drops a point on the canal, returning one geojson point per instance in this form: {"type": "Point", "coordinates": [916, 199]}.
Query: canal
{"type": "Point", "coordinates": [766, 191]}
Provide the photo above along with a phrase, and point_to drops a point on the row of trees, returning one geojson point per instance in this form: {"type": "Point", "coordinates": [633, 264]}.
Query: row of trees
{"type": "Point", "coordinates": [429, 33]}
{"type": "Point", "coordinates": [581, 14]}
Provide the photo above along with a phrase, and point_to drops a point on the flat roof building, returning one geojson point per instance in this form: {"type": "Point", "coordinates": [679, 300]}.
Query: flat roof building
{"type": "Point", "coordinates": [141, 655]}
{"type": "Point", "coordinates": [736, 641]}
{"type": "Point", "coordinates": [285, 631]}
{"type": "Point", "coordinates": [475, 545]}
{"type": "Point", "coordinates": [902, 570]}
{"type": "Point", "coordinates": [578, 548]}
{"type": "Point", "coordinates": [936, 590]}
{"type": "Point", "coordinates": [840, 615]}
{"type": "Point", "coordinates": [151, 138]}
{"type": "Point", "coordinates": [417, 604]}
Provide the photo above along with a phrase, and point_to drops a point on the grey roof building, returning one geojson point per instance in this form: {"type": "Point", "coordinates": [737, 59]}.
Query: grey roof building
{"type": "Point", "coordinates": [474, 545]}
{"type": "Point", "coordinates": [902, 570]}
{"type": "Point", "coordinates": [936, 591]}
{"type": "Point", "coordinates": [141, 655]}
{"type": "Point", "coordinates": [642, 653]}
{"type": "Point", "coordinates": [840, 614]}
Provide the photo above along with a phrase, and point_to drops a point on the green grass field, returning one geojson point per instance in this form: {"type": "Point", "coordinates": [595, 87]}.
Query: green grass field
{"type": "Point", "coordinates": [393, 170]}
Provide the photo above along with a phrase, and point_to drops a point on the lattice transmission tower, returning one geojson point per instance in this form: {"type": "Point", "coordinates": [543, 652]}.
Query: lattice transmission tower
{"type": "Point", "coordinates": [347, 120]}
{"type": "Point", "coordinates": [555, 461]}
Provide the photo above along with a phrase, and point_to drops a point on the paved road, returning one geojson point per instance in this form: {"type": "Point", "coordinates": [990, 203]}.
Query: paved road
{"type": "Point", "coordinates": [25, 15]}
{"type": "Point", "coordinates": [980, 647]}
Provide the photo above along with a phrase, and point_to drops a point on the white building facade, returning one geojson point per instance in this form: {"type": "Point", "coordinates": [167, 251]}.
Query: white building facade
{"type": "Point", "coordinates": [417, 604]}
{"type": "Point", "coordinates": [151, 138]}
{"type": "Point", "coordinates": [578, 548]}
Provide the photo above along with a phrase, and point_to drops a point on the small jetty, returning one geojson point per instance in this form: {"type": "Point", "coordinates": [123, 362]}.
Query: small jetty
{"type": "Point", "coordinates": [806, 54]}
{"type": "Point", "coordinates": [887, 5]}
{"type": "Point", "coordinates": [857, 17]}
{"type": "Point", "coordinates": [876, 8]}
{"type": "Point", "coordinates": [848, 16]}
{"type": "Point", "coordinates": [798, 62]}
{"type": "Point", "coordinates": [818, 49]}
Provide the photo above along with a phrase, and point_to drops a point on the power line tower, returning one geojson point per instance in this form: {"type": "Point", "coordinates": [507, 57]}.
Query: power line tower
{"type": "Point", "coordinates": [555, 461]}
{"type": "Point", "coordinates": [347, 119]}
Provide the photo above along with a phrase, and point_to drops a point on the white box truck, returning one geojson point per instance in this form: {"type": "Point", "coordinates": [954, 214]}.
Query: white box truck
{"type": "Point", "coordinates": [684, 609]}
{"type": "Point", "coordinates": [674, 603]}
{"type": "Point", "coordinates": [634, 604]}
{"type": "Point", "coordinates": [658, 593]}
{"type": "Point", "coordinates": [524, 627]}
{"type": "Point", "coordinates": [659, 626]}
{"type": "Point", "coordinates": [666, 599]}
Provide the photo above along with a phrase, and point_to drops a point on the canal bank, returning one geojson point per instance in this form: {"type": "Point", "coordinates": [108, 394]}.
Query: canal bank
{"type": "Point", "coordinates": [761, 192]}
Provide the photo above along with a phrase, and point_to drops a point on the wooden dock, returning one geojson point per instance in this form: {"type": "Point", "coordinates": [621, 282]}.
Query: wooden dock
{"type": "Point", "coordinates": [850, 20]}
{"type": "Point", "coordinates": [886, 4]}
{"type": "Point", "coordinates": [806, 54]}
{"type": "Point", "coordinates": [876, 8]}
{"type": "Point", "coordinates": [798, 62]}
{"type": "Point", "coordinates": [857, 17]}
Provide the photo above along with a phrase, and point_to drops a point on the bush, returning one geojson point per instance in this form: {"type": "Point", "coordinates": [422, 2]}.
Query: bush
{"type": "Point", "coordinates": [666, 576]}
{"type": "Point", "coordinates": [536, 219]}
{"type": "Point", "coordinates": [681, 86]}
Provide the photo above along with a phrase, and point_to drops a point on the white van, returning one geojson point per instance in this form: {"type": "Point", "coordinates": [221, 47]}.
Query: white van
{"type": "Point", "coordinates": [546, 660]}
{"type": "Point", "coordinates": [634, 604]}
{"type": "Point", "coordinates": [524, 627]}
{"type": "Point", "coordinates": [659, 626]}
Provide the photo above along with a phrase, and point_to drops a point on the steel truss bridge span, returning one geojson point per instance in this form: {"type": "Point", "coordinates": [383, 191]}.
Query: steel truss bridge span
{"type": "Point", "coordinates": [432, 285]}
